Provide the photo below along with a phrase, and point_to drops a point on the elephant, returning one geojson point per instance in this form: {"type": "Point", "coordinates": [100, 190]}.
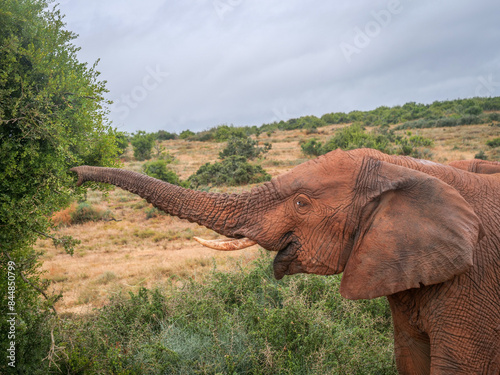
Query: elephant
{"type": "Point", "coordinates": [477, 166]}
{"type": "Point", "coordinates": [424, 235]}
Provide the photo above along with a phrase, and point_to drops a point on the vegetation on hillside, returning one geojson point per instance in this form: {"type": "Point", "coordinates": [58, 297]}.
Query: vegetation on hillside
{"type": "Point", "coordinates": [382, 139]}
{"type": "Point", "coordinates": [238, 322]}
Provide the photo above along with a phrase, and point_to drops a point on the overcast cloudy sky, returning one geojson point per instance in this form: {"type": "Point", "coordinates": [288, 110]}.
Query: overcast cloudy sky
{"type": "Point", "coordinates": [196, 64]}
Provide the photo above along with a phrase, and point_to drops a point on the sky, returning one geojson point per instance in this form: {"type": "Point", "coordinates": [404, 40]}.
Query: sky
{"type": "Point", "coordinates": [195, 64]}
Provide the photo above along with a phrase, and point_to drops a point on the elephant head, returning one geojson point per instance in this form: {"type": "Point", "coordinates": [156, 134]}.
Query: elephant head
{"type": "Point", "coordinates": [387, 227]}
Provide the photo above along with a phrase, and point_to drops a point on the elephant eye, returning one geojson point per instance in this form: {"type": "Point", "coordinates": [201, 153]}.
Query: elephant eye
{"type": "Point", "coordinates": [302, 203]}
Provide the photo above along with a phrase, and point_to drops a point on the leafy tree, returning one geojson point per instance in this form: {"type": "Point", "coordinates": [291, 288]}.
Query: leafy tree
{"type": "Point", "coordinates": [232, 171]}
{"type": "Point", "coordinates": [52, 117]}
{"type": "Point", "coordinates": [142, 143]}
{"type": "Point", "coordinates": [122, 141]}
{"type": "Point", "coordinates": [185, 134]}
{"type": "Point", "coordinates": [224, 132]}
{"type": "Point", "coordinates": [245, 147]}
{"type": "Point", "coordinates": [312, 147]}
{"type": "Point", "coordinates": [163, 135]}
{"type": "Point", "coordinates": [158, 169]}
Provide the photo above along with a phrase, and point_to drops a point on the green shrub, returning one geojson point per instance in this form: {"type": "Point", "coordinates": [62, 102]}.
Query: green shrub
{"type": "Point", "coordinates": [232, 171]}
{"type": "Point", "coordinates": [246, 147]}
{"type": "Point", "coordinates": [493, 142]}
{"type": "Point", "coordinates": [122, 141]}
{"type": "Point", "coordinates": [163, 135]}
{"type": "Point", "coordinates": [243, 322]}
{"type": "Point", "coordinates": [142, 143]}
{"type": "Point", "coordinates": [158, 169]}
{"type": "Point", "coordinates": [185, 134]}
{"type": "Point", "coordinates": [382, 139]}
{"type": "Point", "coordinates": [312, 147]}
{"type": "Point", "coordinates": [481, 155]}
{"type": "Point", "coordinates": [85, 212]}
{"type": "Point", "coordinates": [224, 132]}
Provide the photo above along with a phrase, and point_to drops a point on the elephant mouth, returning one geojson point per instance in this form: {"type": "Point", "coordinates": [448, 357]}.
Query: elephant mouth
{"type": "Point", "coordinates": [286, 261]}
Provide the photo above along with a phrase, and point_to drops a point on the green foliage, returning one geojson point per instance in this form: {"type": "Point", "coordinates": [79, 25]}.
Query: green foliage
{"type": "Point", "coordinates": [450, 121]}
{"type": "Point", "coordinates": [245, 147]}
{"type": "Point", "coordinates": [493, 142]}
{"type": "Point", "coordinates": [224, 132]}
{"type": "Point", "coordinates": [142, 143]}
{"type": "Point", "coordinates": [85, 212]}
{"type": "Point", "coordinates": [354, 136]}
{"type": "Point", "coordinates": [382, 139]}
{"type": "Point", "coordinates": [186, 134]}
{"type": "Point", "coordinates": [481, 155]}
{"type": "Point", "coordinates": [240, 322]}
{"type": "Point", "coordinates": [232, 171]}
{"type": "Point", "coordinates": [312, 147]}
{"type": "Point", "coordinates": [52, 117]}
{"type": "Point", "coordinates": [158, 169]}
{"type": "Point", "coordinates": [163, 135]}
{"type": "Point", "coordinates": [122, 141]}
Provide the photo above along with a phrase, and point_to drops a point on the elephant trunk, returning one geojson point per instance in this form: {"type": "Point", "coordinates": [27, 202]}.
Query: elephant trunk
{"type": "Point", "coordinates": [219, 212]}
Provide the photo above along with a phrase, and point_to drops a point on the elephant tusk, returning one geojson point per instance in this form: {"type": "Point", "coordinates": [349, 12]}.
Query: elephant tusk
{"type": "Point", "coordinates": [226, 244]}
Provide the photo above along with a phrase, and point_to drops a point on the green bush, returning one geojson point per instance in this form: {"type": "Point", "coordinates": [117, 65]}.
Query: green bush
{"type": "Point", "coordinates": [382, 139]}
{"type": "Point", "coordinates": [246, 147]}
{"type": "Point", "coordinates": [186, 134]}
{"type": "Point", "coordinates": [122, 141]}
{"type": "Point", "coordinates": [481, 155]}
{"type": "Point", "coordinates": [158, 169]}
{"type": "Point", "coordinates": [142, 143]}
{"type": "Point", "coordinates": [232, 171]}
{"type": "Point", "coordinates": [224, 132]}
{"type": "Point", "coordinates": [312, 147]}
{"type": "Point", "coordinates": [244, 322]}
{"type": "Point", "coordinates": [493, 142]}
{"type": "Point", "coordinates": [163, 135]}
{"type": "Point", "coordinates": [85, 212]}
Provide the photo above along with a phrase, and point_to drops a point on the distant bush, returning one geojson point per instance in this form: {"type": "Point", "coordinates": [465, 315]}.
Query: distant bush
{"type": "Point", "coordinates": [86, 212]}
{"type": "Point", "coordinates": [382, 139]}
{"type": "Point", "coordinates": [122, 141]}
{"type": "Point", "coordinates": [158, 169]}
{"type": "Point", "coordinates": [223, 133]}
{"type": "Point", "coordinates": [494, 142]}
{"type": "Point", "coordinates": [185, 134]}
{"type": "Point", "coordinates": [204, 136]}
{"type": "Point", "coordinates": [451, 121]}
{"type": "Point", "coordinates": [163, 135]}
{"type": "Point", "coordinates": [312, 147]}
{"type": "Point", "coordinates": [232, 171]}
{"type": "Point", "coordinates": [481, 155]}
{"type": "Point", "coordinates": [243, 322]}
{"type": "Point", "coordinates": [142, 143]}
{"type": "Point", "coordinates": [245, 147]}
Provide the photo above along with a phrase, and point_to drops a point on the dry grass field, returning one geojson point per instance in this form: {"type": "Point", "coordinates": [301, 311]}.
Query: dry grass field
{"type": "Point", "coordinates": [134, 251]}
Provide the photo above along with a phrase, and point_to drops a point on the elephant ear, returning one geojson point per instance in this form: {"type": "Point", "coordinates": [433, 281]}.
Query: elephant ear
{"type": "Point", "coordinates": [415, 230]}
